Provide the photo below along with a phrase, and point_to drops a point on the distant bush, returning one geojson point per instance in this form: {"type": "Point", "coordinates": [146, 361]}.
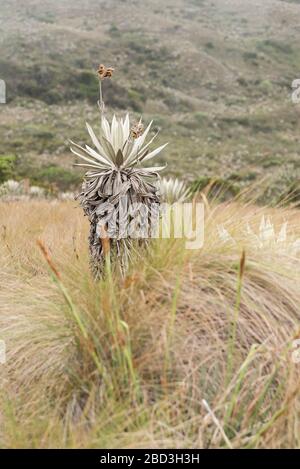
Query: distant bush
{"type": "Point", "coordinates": [220, 188]}
{"type": "Point", "coordinates": [177, 104]}
{"type": "Point", "coordinates": [257, 123]}
{"type": "Point", "coordinates": [87, 86]}
{"type": "Point", "coordinates": [61, 177]}
{"type": "Point", "coordinates": [209, 45]}
{"type": "Point", "coordinates": [136, 100]}
{"type": "Point", "coordinates": [117, 96]}
{"type": "Point", "coordinates": [266, 86]}
{"type": "Point", "coordinates": [114, 30]}
{"type": "Point", "coordinates": [277, 46]}
{"type": "Point", "coordinates": [46, 17]}
{"type": "Point", "coordinates": [201, 117]}
{"type": "Point", "coordinates": [292, 194]}
{"type": "Point", "coordinates": [250, 55]}
{"type": "Point", "coordinates": [7, 163]}
{"type": "Point", "coordinates": [242, 81]}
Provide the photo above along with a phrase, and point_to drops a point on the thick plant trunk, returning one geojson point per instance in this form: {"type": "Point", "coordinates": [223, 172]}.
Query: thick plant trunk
{"type": "Point", "coordinates": [100, 246]}
{"type": "Point", "coordinates": [97, 260]}
{"type": "Point", "coordinates": [106, 199]}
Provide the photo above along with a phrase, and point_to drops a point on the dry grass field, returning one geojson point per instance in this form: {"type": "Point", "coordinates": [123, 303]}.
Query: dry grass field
{"type": "Point", "coordinates": [188, 348]}
{"type": "Point", "coordinates": [128, 362]}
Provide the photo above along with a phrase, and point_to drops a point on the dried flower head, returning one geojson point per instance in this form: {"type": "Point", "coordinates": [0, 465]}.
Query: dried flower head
{"type": "Point", "coordinates": [137, 130]}
{"type": "Point", "coordinates": [105, 72]}
{"type": "Point", "coordinates": [242, 264]}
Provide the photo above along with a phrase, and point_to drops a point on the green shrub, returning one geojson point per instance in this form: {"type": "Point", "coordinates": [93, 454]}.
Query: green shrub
{"type": "Point", "coordinates": [266, 86]}
{"type": "Point", "coordinates": [275, 46]}
{"type": "Point", "coordinates": [250, 55]}
{"type": "Point", "coordinates": [201, 117]}
{"type": "Point", "coordinates": [114, 30]}
{"type": "Point", "coordinates": [136, 100]}
{"type": "Point", "coordinates": [292, 194]}
{"type": "Point", "coordinates": [61, 177]}
{"type": "Point", "coordinates": [7, 163]}
{"type": "Point", "coordinates": [220, 188]}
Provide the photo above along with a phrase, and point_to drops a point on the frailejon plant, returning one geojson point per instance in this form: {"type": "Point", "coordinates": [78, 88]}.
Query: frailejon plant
{"type": "Point", "coordinates": [266, 237]}
{"type": "Point", "coordinates": [117, 184]}
{"type": "Point", "coordinates": [173, 190]}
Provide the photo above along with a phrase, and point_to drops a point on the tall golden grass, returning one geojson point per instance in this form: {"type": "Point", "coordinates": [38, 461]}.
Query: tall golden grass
{"type": "Point", "coordinates": [191, 349]}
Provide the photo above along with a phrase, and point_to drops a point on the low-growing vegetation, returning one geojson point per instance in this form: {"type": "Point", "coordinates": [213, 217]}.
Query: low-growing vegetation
{"type": "Point", "coordinates": [128, 362]}
{"type": "Point", "coordinates": [112, 336]}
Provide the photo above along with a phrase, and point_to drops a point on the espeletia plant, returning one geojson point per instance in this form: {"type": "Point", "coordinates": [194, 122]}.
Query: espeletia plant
{"type": "Point", "coordinates": [119, 194]}
{"type": "Point", "coordinates": [266, 237]}
{"type": "Point", "coordinates": [172, 190]}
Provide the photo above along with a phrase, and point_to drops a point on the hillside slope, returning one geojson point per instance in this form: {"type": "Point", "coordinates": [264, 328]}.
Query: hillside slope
{"type": "Point", "coordinates": [215, 75]}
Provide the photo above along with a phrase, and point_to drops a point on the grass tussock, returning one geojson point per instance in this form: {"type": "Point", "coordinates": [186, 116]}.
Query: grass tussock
{"type": "Point", "coordinates": [191, 349]}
